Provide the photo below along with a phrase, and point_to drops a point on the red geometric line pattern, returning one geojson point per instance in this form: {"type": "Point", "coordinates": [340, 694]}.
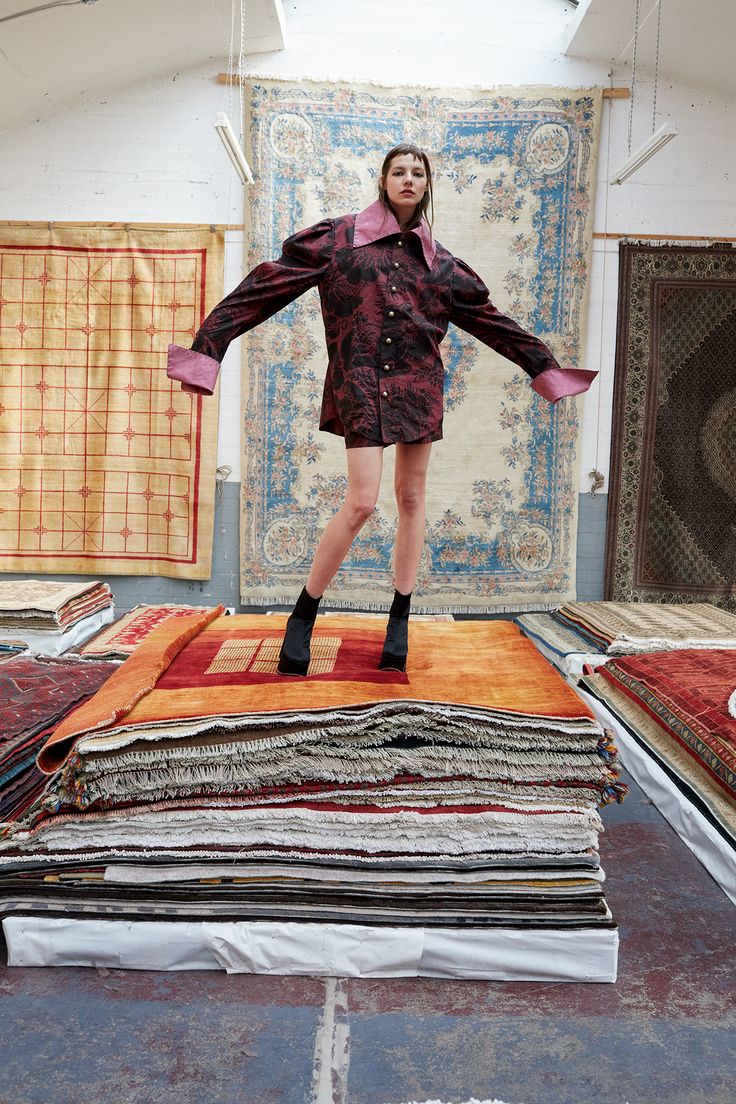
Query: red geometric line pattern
{"type": "Point", "coordinates": [102, 455]}
{"type": "Point", "coordinates": [126, 513]}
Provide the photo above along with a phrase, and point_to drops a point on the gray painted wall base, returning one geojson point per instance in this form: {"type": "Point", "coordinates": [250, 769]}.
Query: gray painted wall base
{"type": "Point", "coordinates": [224, 585]}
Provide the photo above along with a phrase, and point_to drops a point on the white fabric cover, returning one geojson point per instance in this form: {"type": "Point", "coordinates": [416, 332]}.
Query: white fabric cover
{"type": "Point", "coordinates": [337, 950]}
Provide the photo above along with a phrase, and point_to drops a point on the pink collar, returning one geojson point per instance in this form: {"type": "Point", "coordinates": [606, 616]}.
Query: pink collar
{"type": "Point", "coordinates": [377, 222]}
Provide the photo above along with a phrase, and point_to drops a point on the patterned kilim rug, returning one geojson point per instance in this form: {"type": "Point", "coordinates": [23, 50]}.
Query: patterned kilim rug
{"type": "Point", "coordinates": [514, 183]}
{"type": "Point", "coordinates": [107, 466]}
{"type": "Point", "coordinates": [672, 505]}
{"type": "Point", "coordinates": [676, 706]}
{"type": "Point", "coordinates": [121, 639]}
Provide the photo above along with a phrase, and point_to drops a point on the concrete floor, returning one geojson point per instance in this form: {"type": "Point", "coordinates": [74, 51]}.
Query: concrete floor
{"type": "Point", "coordinates": [663, 1034]}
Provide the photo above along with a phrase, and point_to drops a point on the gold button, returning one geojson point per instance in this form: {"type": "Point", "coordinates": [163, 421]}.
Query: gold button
{"type": "Point", "coordinates": [396, 264]}
{"type": "Point", "coordinates": [393, 287]}
{"type": "Point", "coordinates": [385, 394]}
{"type": "Point", "coordinates": [388, 340]}
{"type": "Point", "coordinates": [391, 314]}
{"type": "Point", "coordinates": [387, 367]}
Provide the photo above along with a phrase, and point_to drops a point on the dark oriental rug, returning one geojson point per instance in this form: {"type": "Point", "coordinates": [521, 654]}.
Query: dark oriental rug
{"type": "Point", "coordinates": [36, 693]}
{"type": "Point", "coordinates": [676, 706]}
{"type": "Point", "coordinates": [672, 502]}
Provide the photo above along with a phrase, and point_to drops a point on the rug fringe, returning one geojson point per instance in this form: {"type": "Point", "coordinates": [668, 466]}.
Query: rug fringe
{"type": "Point", "coordinates": [351, 606]}
{"type": "Point", "coordinates": [675, 244]}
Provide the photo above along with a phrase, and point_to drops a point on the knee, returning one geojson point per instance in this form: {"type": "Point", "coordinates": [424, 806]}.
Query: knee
{"type": "Point", "coordinates": [410, 498]}
{"type": "Point", "coordinates": [359, 508]}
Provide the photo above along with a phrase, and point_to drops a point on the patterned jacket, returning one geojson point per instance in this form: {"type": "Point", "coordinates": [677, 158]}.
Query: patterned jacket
{"type": "Point", "coordinates": [387, 298]}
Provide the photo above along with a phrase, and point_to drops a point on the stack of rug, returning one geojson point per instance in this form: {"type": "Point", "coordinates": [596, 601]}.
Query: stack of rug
{"type": "Point", "coordinates": [36, 694]}
{"type": "Point", "coordinates": [672, 714]}
{"type": "Point", "coordinates": [200, 786]}
{"type": "Point", "coordinates": [580, 633]}
{"type": "Point", "coordinates": [51, 617]}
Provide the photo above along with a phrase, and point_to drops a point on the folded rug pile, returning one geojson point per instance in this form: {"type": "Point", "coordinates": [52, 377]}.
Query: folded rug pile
{"type": "Point", "coordinates": [676, 707]}
{"type": "Point", "coordinates": [200, 784]}
{"type": "Point", "coordinates": [581, 633]}
{"type": "Point", "coordinates": [631, 628]}
{"type": "Point", "coordinates": [36, 694]}
{"type": "Point", "coordinates": [50, 617]}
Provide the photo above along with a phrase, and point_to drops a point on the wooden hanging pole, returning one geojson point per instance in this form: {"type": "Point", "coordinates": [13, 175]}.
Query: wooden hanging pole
{"type": "Point", "coordinates": [613, 236]}
{"type": "Point", "coordinates": [608, 93]}
{"type": "Point", "coordinates": [41, 224]}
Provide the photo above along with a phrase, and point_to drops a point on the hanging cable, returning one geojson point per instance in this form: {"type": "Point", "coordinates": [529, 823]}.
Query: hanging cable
{"type": "Point", "coordinates": [241, 66]}
{"type": "Point", "coordinates": [228, 96]}
{"type": "Point", "coordinates": [597, 477]}
{"type": "Point", "coordinates": [656, 67]}
{"type": "Point", "coordinates": [633, 71]}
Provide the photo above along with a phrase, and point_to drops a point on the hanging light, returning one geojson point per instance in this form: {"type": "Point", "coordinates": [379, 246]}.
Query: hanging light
{"type": "Point", "coordinates": [235, 151]}
{"type": "Point", "coordinates": [222, 124]}
{"type": "Point", "coordinates": [653, 144]}
{"type": "Point", "coordinates": [658, 138]}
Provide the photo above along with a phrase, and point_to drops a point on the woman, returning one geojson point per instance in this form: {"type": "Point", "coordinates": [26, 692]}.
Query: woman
{"type": "Point", "coordinates": [388, 291]}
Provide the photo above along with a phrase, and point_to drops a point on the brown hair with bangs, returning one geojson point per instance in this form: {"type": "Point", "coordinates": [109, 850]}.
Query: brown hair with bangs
{"type": "Point", "coordinates": [427, 200]}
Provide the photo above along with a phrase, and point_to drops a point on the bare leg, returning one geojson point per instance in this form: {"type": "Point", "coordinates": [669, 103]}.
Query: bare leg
{"type": "Point", "coordinates": [409, 487]}
{"type": "Point", "coordinates": [364, 480]}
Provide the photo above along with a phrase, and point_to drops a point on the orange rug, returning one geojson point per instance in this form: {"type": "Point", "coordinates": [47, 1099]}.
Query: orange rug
{"type": "Point", "coordinates": [205, 665]}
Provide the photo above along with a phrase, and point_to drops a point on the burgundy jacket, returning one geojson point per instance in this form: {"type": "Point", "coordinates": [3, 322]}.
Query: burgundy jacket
{"type": "Point", "coordinates": [387, 298]}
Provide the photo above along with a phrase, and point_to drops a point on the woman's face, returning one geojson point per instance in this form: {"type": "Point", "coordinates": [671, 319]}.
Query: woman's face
{"type": "Point", "coordinates": [405, 184]}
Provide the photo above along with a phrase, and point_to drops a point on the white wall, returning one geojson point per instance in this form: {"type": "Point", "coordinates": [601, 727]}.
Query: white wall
{"type": "Point", "coordinates": [149, 153]}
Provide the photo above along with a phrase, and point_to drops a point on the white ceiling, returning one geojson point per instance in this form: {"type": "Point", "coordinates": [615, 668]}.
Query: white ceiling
{"type": "Point", "coordinates": [696, 43]}
{"type": "Point", "coordinates": [51, 57]}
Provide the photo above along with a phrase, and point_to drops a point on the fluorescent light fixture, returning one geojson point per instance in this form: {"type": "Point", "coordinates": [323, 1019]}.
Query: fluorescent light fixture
{"type": "Point", "coordinates": [233, 147]}
{"type": "Point", "coordinates": [652, 145]}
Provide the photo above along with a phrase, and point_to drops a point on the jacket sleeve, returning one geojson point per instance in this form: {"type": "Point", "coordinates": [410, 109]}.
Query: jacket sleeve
{"type": "Point", "coordinates": [473, 311]}
{"type": "Point", "coordinates": [264, 291]}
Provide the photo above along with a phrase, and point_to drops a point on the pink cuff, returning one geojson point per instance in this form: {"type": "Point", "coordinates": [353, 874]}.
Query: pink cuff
{"type": "Point", "coordinates": [195, 371]}
{"type": "Point", "coordinates": [555, 383]}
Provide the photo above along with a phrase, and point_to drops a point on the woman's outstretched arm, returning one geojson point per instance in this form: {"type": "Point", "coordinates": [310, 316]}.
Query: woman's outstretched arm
{"type": "Point", "coordinates": [473, 311]}
{"type": "Point", "coordinates": [264, 291]}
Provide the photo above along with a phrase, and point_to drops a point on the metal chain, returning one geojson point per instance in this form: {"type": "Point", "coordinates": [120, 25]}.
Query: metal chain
{"type": "Point", "coordinates": [633, 70]}
{"type": "Point", "coordinates": [597, 478]}
{"type": "Point", "coordinates": [227, 92]}
{"type": "Point", "coordinates": [656, 67]}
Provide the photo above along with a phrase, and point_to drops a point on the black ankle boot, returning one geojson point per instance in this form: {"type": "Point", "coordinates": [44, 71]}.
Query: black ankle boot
{"type": "Point", "coordinates": [396, 644]}
{"type": "Point", "coordinates": [294, 655]}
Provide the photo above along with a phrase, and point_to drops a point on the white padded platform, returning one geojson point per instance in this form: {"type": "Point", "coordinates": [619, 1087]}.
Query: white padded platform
{"type": "Point", "coordinates": [332, 950]}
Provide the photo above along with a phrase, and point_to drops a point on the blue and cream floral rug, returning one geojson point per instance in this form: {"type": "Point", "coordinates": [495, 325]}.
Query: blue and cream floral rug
{"type": "Point", "coordinates": [514, 181]}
